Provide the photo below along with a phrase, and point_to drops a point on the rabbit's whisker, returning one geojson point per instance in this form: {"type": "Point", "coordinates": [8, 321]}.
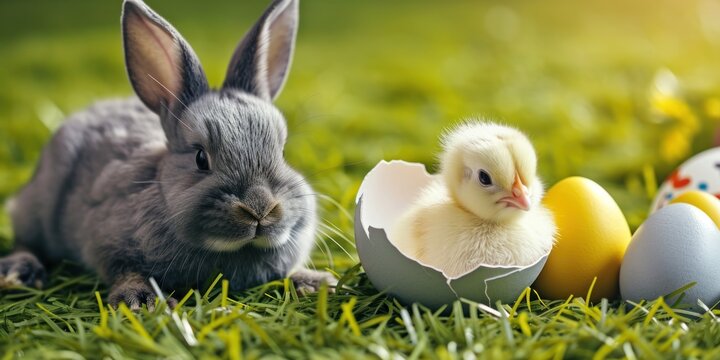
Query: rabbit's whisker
{"type": "Point", "coordinates": [199, 265]}
{"type": "Point", "coordinates": [322, 245]}
{"type": "Point", "coordinates": [179, 213]}
{"type": "Point", "coordinates": [307, 178]}
{"type": "Point", "coordinates": [177, 118]}
{"type": "Point", "coordinates": [336, 242]}
{"type": "Point", "coordinates": [309, 118]}
{"type": "Point", "coordinates": [179, 251]}
{"type": "Point", "coordinates": [171, 93]}
{"type": "Point", "coordinates": [326, 224]}
{"type": "Point", "coordinates": [342, 209]}
{"type": "Point", "coordinates": [301, 195]}
{"type": "Point", "coordinates": [293, 247]}
{"type": "Point", "coordinates": [301, 209]}
{"type": "Point", "coordinates": [187, 257]}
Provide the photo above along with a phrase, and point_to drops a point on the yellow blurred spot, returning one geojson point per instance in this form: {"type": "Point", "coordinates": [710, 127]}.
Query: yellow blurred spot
{"type": "Point", "coordinates": [675, 145]}
{"type": "Point", "coordinates": [676, 109]}
{"type": "Point", "coordinates": [712, 108]}
{"type": "Point", "coordinates": [650, 182]}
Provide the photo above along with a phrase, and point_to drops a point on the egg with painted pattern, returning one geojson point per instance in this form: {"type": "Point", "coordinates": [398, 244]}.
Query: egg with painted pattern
{"type": "Point", "coordinates": [706, 202]}
{"type": "Point", "coordinates": [699, 173]}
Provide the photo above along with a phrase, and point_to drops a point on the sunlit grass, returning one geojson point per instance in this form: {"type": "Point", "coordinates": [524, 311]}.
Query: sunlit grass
{"type": "Point", "coordinates": [64, 322]}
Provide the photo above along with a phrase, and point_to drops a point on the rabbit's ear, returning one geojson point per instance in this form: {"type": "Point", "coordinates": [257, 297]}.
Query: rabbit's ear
{"type": "Point", "coordinates": [261, 62]}
{"type": "Point", "coordinates": [163, 69]}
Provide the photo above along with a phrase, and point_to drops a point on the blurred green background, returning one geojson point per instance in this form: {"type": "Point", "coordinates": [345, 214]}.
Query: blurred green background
{"type": "Point", "coordinates": [619, 91]}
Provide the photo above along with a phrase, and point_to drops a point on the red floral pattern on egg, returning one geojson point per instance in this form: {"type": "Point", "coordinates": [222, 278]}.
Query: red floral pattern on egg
{"type": "Point", "coordinates": [700, 172]}
{"type": "Point", "coordinates": [678, 181]}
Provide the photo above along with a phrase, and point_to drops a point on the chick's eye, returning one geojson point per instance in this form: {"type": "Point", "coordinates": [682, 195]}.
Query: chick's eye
{"type": "Point", "coordinates": [485, 178]}
{"type": "Point", "coordinates": [201, 160]}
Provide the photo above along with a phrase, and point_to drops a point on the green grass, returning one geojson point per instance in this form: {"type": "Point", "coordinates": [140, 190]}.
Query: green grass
{"type": "Point", "coordinates": [273, 322]}
{"type": "Point", "coordinates": [372, 80]}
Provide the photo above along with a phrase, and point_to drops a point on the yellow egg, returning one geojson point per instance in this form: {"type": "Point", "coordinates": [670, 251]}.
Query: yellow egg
{"type": "Point", "coordinates": [591, 241]}
{"type": "Point", "coordinates": [709, 204]}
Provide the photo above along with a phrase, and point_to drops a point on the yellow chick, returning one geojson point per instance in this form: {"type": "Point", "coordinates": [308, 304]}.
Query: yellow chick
{"type": "Point", "coordinates": [483, 208]}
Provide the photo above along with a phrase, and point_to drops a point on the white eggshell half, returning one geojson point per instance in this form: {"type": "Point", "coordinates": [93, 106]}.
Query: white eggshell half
{"type": "Point", "coordinates": [387, 190]}
{"type": "Point", "coordinates": [675, 246]}
{"type": "Point", "coordinates": [700, 172]}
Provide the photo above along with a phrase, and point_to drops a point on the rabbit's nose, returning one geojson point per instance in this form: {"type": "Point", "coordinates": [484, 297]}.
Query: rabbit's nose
{"type": "Point", "coordinates": [269, 215]}
{"type": "Point", "coordinates": [272, 216]}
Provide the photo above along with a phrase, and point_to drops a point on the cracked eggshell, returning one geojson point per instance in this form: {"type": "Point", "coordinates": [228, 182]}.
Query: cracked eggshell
{"type": "Point", "coordinates": [700, 172]}
{"type": "Point", "coordinates": [677, 245]}
{"type": "Point", "coordinates": [386, 192]}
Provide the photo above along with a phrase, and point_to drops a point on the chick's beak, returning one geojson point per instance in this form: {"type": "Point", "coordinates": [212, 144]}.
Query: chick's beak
{"type": "Point", "coordinates": [520, 197]}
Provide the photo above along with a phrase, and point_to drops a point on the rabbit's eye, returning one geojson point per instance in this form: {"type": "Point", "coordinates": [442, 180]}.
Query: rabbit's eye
{"type": "Point", "coordinates": [201, 160]}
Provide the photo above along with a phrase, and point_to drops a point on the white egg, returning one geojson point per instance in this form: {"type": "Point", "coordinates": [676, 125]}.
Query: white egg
{"type": "Point", "coordinates": [677, 245]}
{"type": "Point", "coordinates": [389, 189]}
{"type": "Point", "coordinates": [701, 172]}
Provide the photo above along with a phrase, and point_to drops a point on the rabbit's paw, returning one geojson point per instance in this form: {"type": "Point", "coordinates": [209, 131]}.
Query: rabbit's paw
{"type": "Point", "coordinates": [134, 291]}
{"type": "Point", "coordinates": [308, 281]}
{"type": "Point", "coordinates": [21, 269]}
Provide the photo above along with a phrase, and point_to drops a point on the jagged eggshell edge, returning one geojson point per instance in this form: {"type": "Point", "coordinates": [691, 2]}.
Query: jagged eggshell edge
{"type": "Point", "coordinates": [387, 190]}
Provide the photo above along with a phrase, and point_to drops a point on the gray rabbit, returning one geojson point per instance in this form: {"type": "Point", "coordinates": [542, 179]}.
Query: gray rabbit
{"type": "Point", "coordinates": [182, 183]}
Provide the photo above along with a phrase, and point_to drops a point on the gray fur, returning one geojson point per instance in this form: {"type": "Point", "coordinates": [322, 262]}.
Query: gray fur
{"type": "Point", "coordinates": [274, 35]}
{"type": "Point", "coordinates": [118, 189]}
